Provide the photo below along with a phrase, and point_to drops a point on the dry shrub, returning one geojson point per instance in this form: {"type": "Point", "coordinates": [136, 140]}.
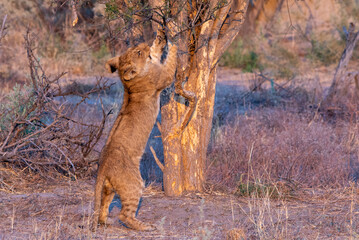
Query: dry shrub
{"type": "Point", "coordinates": [39, 129]}
{"type": "Point", "coordinates": [270, 146]}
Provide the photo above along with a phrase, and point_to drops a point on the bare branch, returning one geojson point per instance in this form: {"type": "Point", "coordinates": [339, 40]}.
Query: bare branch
{"type": "Point", "coordinates": [231, 27]}
{"type": "Point", "coordinates": [43, 134]}
{"type": "Point", "coordinates": [160, 165]}
{"type": "Point", "coordinates": [30, 59]}
{"type": "Point", "coordinates": [340, 72]}
{"type": "Point", "coordinates": [2, 30]}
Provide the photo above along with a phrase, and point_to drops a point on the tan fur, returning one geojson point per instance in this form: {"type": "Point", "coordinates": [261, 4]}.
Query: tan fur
{"type": "Point", "coordinates": [143, 77]}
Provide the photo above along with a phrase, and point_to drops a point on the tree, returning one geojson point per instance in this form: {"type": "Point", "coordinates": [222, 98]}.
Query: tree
{"type": "Point", "coordinates": [261, 13]}
{"type": "Point", "coordinates": [342, 96]}
{"type": "Point", "coordinates": [202, 30]}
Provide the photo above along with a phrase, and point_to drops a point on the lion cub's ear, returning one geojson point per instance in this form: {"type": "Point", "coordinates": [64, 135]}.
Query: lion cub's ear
{"type": "Point", "coordinates": [113, 64]}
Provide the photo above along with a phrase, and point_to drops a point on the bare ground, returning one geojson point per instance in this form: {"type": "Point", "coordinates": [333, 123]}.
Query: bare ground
{"type": "Point", "coordinates": [63, 210]}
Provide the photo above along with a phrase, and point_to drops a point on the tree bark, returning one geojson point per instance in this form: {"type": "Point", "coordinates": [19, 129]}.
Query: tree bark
{"type": "Point", "coordinates": [185, 151]}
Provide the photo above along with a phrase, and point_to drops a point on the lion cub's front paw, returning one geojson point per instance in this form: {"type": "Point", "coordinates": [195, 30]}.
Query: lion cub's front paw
{"type": "Point", "coordinates": [160, 38]}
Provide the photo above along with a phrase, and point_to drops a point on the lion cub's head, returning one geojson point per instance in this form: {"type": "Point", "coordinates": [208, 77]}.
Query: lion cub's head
{"type": "Point", "coordinates": [131, 64]}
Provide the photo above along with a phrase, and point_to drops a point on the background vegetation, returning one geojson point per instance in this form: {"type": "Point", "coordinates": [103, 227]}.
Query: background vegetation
{"type": "Point", "coordinates": [270, 144]}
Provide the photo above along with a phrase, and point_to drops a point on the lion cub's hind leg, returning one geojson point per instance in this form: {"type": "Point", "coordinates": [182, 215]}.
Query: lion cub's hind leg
{"type": "Point", "coordinates": [128, 215]}
{"type": "Point", "coordinates": [130, 195]}
{"type": "Point", "coordinates": [107, 196]}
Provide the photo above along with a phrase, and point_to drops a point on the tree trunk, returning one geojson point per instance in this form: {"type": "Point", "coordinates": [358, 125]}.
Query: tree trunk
{"type": "Point", "coordinates": [185, 151]}
{"type": "Point", "coordinates": [203, 30]}
{"type": "Point", "coordinates": [342, 92]}
{"type": "Point", "coordinates": [185, 154]}
{"type": "Point", "coordinates": [261, 14]}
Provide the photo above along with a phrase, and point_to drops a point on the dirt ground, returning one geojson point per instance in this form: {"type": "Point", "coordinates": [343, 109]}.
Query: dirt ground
{"type": "Point", "coordinates": [63, 210]}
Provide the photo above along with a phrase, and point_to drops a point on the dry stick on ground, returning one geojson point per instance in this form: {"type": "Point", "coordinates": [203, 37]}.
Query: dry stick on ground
{"type": "Point", "coordinates": [340, 84]}
{"type": "Point", "coordinates": [41, 136]}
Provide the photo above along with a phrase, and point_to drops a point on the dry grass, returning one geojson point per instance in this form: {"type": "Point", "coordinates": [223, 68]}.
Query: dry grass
{"type": "Point", "coordinates": [273, 145]}
{"type": "Point", "coordinates": [316, 214]}
{"type": "Point", "coordinates": [68, 49]}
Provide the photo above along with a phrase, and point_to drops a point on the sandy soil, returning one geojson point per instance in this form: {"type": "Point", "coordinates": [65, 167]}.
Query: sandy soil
{"type": "Point", "coordinates": [63, 210]}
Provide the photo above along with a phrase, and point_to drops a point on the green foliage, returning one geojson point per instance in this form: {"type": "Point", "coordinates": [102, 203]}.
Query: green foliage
{"type": "Point", "coordinates": [126, 14]}
{"type": "Point", "coordinates": [281, 61]}
{"type": "Point", "coordinates": [240, 57]}
{"type": "Point", "coordinates": [111, 9]}
{"type": "Point", "coordinates": [257, 189]}
{"type": "Point", "coordinates": [220, 4]}
{"type": "Point", "coordinates": [52, 46]}
{"type": "Point", "coordinates": [350, 9]}
{"type": "Point", "coordinates": [102, 52]}
{"type": "Point", "coordinates": [324, 52]}
{"type": "Point", "coordinates": [17, 105]}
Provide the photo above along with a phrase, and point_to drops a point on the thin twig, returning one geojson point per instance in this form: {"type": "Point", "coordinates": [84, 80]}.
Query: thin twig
{"type": "Point", "coordinates": [2, 33]}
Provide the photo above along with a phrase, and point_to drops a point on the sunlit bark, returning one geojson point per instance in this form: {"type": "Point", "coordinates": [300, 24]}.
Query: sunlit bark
{"type": "Point", "coordinates": [185, 151]}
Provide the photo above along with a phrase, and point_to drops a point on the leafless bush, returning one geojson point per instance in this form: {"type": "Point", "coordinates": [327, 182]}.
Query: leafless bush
{"type": "Point", "coordinates": [39, 132]}
{"type": "Point", "coordinates": [273, 146]}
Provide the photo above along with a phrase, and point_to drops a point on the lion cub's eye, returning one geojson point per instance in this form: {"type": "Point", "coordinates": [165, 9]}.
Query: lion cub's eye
{"type": "Point", "coordinates": [139, 53]}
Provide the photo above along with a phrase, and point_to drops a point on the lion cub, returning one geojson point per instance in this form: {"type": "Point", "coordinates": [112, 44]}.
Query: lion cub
{"type": "Point", "coordinates": [144, 75]}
